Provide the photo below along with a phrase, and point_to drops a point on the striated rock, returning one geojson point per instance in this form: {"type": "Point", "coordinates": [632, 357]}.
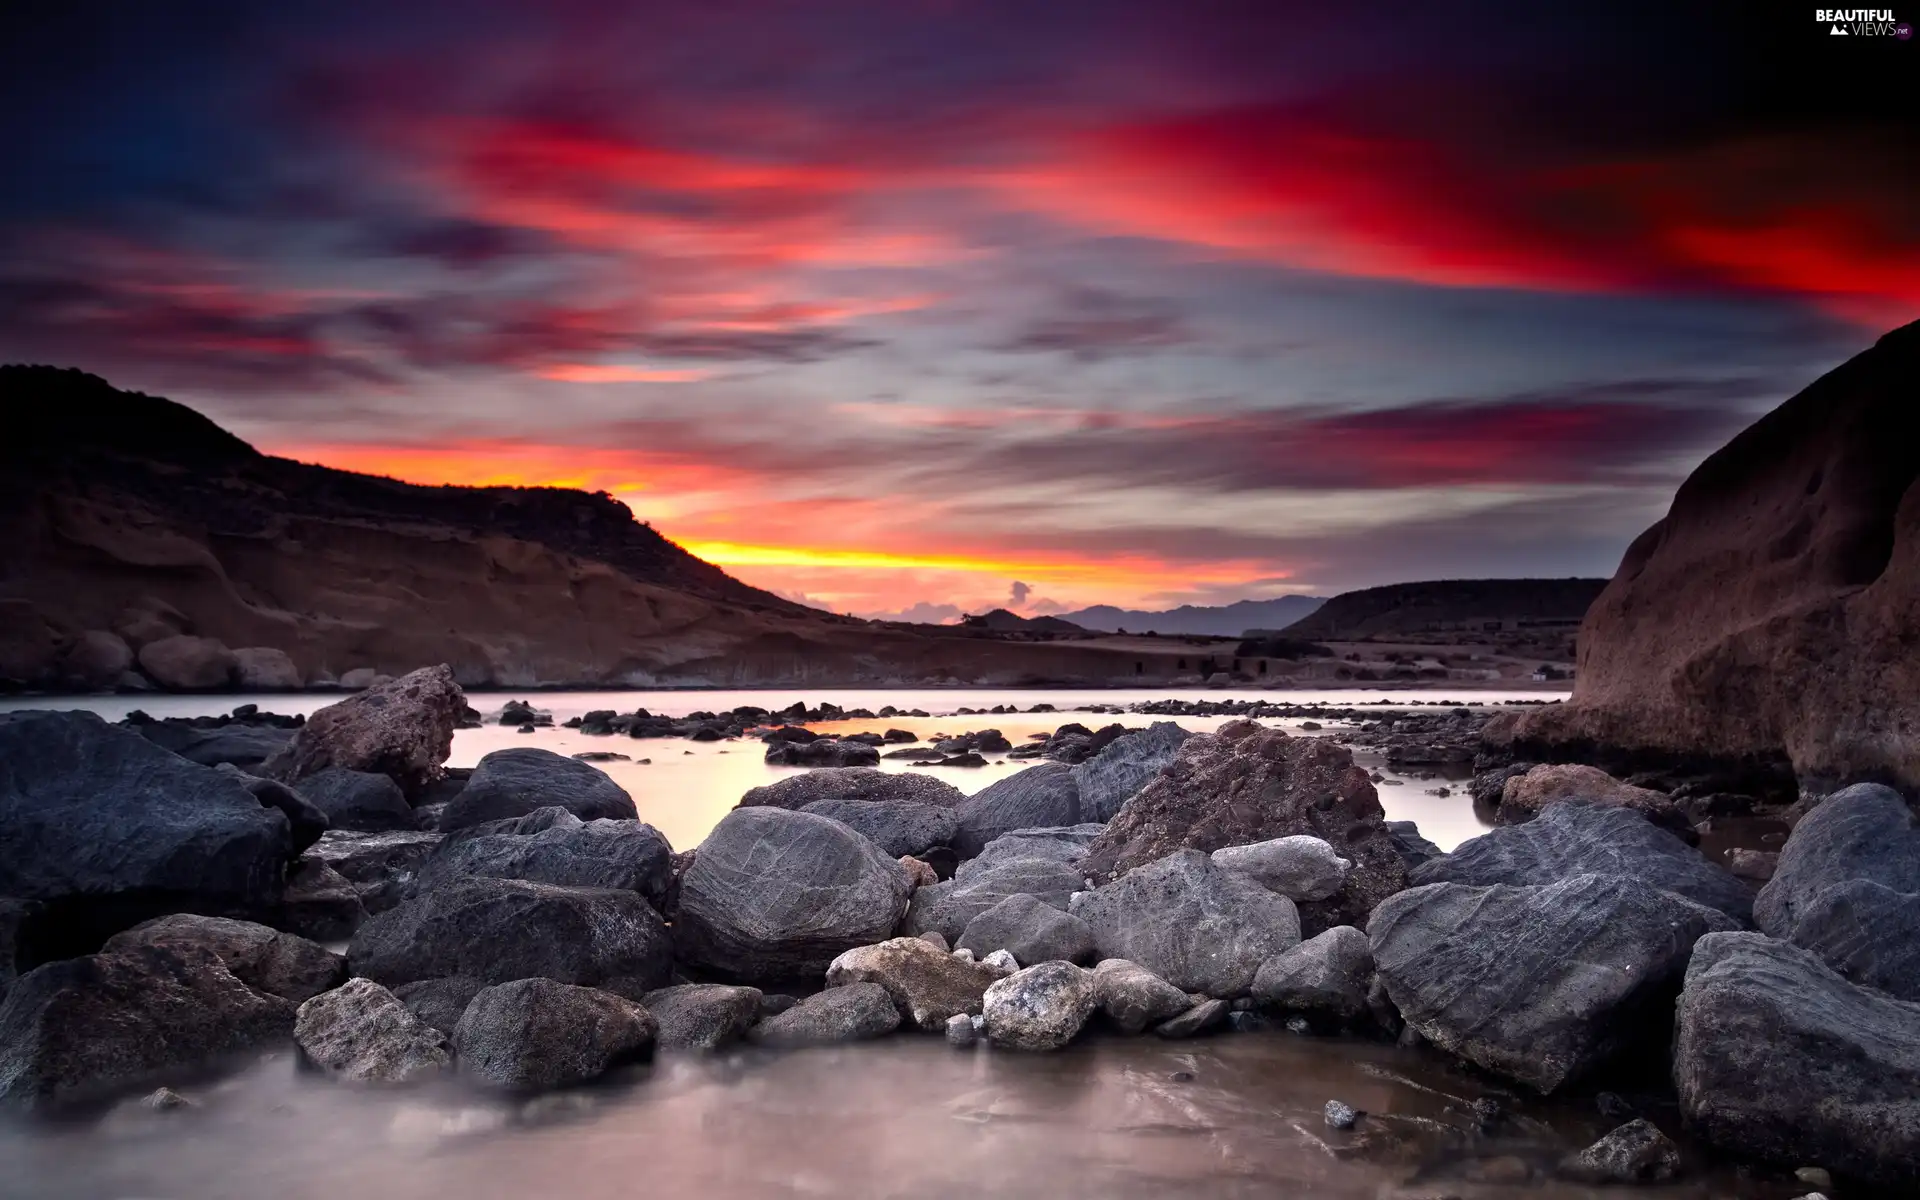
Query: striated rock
{"type": "Point", "coordinates": [822, 752]}
{"type": "Point", "coordinates": [1110, 778]}
{"type": "Point", "coordinates": [1199, 927]}
{"type": "Point", "coordinates": [183, 663]}
{"type": "Point", "coordinates": [853, 1013]}
{"type": "Point", "coordinates": [264, 959]}
{"type": "Point", "coordinates": [379, 865]}
{"type": "Point", "coordinates": [78, 1029]}
{"type": "Point", "coordinates": [1524, 797]}
{"type": "Point", "coordinates": [1587, 839]}
{"type": "Point", "coordinates": [1299, 867]}
{"type": "Point", "coordinates": [551, 845]}
{"type": "Point", "coordinates": [1040, 1008]}
{"type": "Point", "coordinates": [947, 908]}
{"type": "Point", "coordinates": [535, 1035]}
{"type": "Point", "coordinates": [265, 669]}
{"type": "Point", "coordinates": [402, 728]}
{"type": "Point", "coordinates": [1246, 784]}
{"type": "Point", "coordinates": [1044, 794]}
{"type": "Point", "coordinates": [1133, 997]}
{"type": "Point", "coordinates": [358, 800]}
{"type": "Point", "coordinates": [927, 985]}
{"type": "Point", "coordinates": [522, 780]}
{"type": "Point", "coordinates": [440, 1002]}
{"type": "Point", "coordinates": [1065, 844]}
{"type": "Point", "coordinates": [362, 1033]}
{"type": "Point", "coordinates": [1327, 976]}
{"type": "Point", "coordinates": [1031, 930]}
{"type": "Point", "coordinates": [897, 827]}
{"type": "Point", "coordinates": [1204, 1017]}
{"type": "Point", "coordinates": [500, 930]}
{"type": "Point", "coordinates": [854, 783]}
{"type": "Point", "coordinates": [1637, 1152]}
{"type": "Point", "coordinates": [702, 1016]}
{"type": "Point", "coordinates": [1504, 976]}
{"type": "Point", "coordinates": [776, 895]}
{"type": "Point", "coordinates": [1776, 1057]}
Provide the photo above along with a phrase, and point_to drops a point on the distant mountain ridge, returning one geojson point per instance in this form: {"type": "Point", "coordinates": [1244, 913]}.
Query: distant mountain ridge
{"type": "Point", "coordinates": [1437, 605]}
{"type": "Point", "coordinates": [1228, 620]}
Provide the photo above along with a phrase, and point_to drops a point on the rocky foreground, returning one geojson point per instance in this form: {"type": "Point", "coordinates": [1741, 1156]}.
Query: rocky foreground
{"type": "Point", "coordinates": [520, 929]}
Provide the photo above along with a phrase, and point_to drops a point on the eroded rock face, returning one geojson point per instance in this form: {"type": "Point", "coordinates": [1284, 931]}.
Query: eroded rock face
{"type": "Point", "coordinates": [1110, 778]}
{"type": "Point", "coordinates": [553, 846]}
{"type": "Point", "coordinates": [402, 728]}
{"type": "Point", "coordinates": [1768, 618]}
{"type": "Point", "coordinates": [1526, 796]}
{"type": "Point", "coordinates": [1040, 1008]}
{"type": "Point", "coordinates": [1198, 926]}
{"type": "Point", "coordinates": [534, 1035]}
{"type": "Point", "coordinates": [927, 984]}
{"type": "Point", "coordinates": [362, 1033]}
{"type": "Point", "coordinates": [776, 895]}
{"type": "Point", "coordinates": [1031, 930]}
{"type": "Point", "coordinates": [264, 959]}
{"type": "Point", "coordinates": [1504, 976]}
{"type": "Point", "coordinates": [702, 1016]}
{"type": "Point", "coordinates": [358, 800]}
{"type": "Point", "coordinates": [896, 826]}
{"type": "Point", "coordinates": [853, 1013]}
{"type": "Point", "coordinates": [524, 779]}
{"type": "Point", "coordinates": [1245, 784]}
{"type": "Point", "coordinates": [1043, 794]}
{"type": "Point", "coordinates": [854, 783]}
{"type": "Point", "coordinates": [1326, 976]}
{"type": "Point", "coordinates": [1777, 1057]}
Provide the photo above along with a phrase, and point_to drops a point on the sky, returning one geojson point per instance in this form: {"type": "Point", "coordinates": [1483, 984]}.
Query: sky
{"type": "Point", "coordinates": [925, 306]}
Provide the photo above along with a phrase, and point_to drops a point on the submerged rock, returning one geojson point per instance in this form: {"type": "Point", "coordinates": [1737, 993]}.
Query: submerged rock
{"type": "Point", "coordinates": [853, 1013]}
{"type": "Point", "coordinates": [264, 959]}
{"type": "Point", "coordinates": [402, 728]}
{"type": "Point", "coordinates": [1204, 1017]}
{"type": "Point", "coordinates": [534, 1035]}
{"type": "Point", "coordinates": [524, 779]}
{"type": "Point", "coordinates": [1044, 794]}
{"type": "Point", "coordinates": [362, 1033]}
{"type": "Point", "coordinates": [927, 985]}
{"type": "Point", "coordinates": [822, 752]}
{"type": "Point", "coordinates": [1637, 1152]}
{"type": "Point", "coordinates": [1199, 927]}
{"type": "Point", "coordinates": [1040, 1008]}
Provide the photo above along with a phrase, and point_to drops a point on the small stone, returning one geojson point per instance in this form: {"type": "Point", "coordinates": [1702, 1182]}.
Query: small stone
{"type": "Point", "coordinates": [1002, 961]}
{"type": "Point", "coordinates": [1181, 1077]}
{"type": "Point", "coordinates": [960, 1031]}
{"type": "Point", "coordinates": [1340, 1116]}
{"type": "Point", "coordinates": [560, 1106]}
{"type": "Point", "coordinates": [963, 955]}
{"type": "Point", "coordinates": [1201, 1018]}
{"type": "Point", "coordinates": [1299, 1025]}
{"type": "Point", "coordinates": [1241, 1021]}
{"type": "Point", "coordinates": [1486, 1113]}
{"type": "Point", "coordinates": [1816, 1178]}
{"type": "Point", "coordinates": [936, 938]}
{"type": "Point", "coordinates": [164, 1099]}
{"type": "Point", "coordinates": [1636, 1152]}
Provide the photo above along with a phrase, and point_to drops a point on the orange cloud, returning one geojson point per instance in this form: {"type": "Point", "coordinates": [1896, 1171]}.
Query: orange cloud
{"type": "Point", "coordinates": [613, 373]}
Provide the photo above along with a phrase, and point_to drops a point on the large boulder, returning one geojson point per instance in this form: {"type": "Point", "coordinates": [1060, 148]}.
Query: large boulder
{"type": "Point", "coordinates": [402, 728]}
{"type": "Point", "coordinates": [1043, 794]}
{"type": "Point", "coordinates": [927, 984]}
{"type": "Point", "coordinates": [702, 1016]}
{"type": "Point", "coordinates": [500, 930]}
{"type": "Point", "coordinates": [81, 1028]}
{"type": "Point", "coordinates": [776, 895]}
{"type": "Point", "coordinates": [1110, 778]}
{"type": "Point", "coordinates": [1588, 839]}
{"type": "Point", "coordinates": [265, 669]}
{"type": "Point", "coordinates": [380, 866]}
{"type": "Point", "coordinates": [1540, 984]}
{"type": "Point", "coordinates": [853, 1013]}
{"type": "Point", "coordinates": [305, 822]}
{"type": "Point", "coordinates": [319, 903]}
{"type": "Point", "coordinates": [1847, 887]}
{"type": "Point", "coordinates": [534, 1035]}
{"type": "Point", "coordinates": [96, 660]}
{"type": "Point", "coordinates": [1777, 1057]}
{"type": "Point", "coordinates": [1040, 1008]}
{"type": "Point", "coordinates": [113, 829]}
{"type": "Point", "coordinates": [184, 663]}
{"type": "Point", "coordinates": [1198, 926]}
{"type": "Point", "coordinates": [1299, 867]}
{"type": "Point", "coordinates": [1765, 624]}
{"type": "Point", "coordinates": [1245, 784]}
{"type": "Point", "coordinates": [1327, 976]}
{"type": "Point", "coordinates": [264, 959]}
{"type": "Point", "coordinates": [524, 779]}
{"type": "Point", "coordinates": [358, 800]}
{"type": "Point", "coordinates": [1133, 997]}
{"type": "Point", "coordinates": [1524, 797]}
{"type": "Point", "coordinates": [854, 783]}
{"type": "Point", "coordinates": [947, 908]}
{"type": "Point", "coordinates": [554, 846]}
{"type": "Point", "coordinates": [362, 1033]}
{"type": "Point", "coordinates": [1031, 930]}
{"type": "Point", "coordinates": [897, 827]}
{"type": "Point", "coordinates": [238, 744]}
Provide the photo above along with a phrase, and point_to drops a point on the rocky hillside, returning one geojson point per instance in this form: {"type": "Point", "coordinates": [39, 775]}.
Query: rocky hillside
{"type": "Point", "coordinates": [1772, 618]}
{"type": "Point", "coordinates": [1413, 610]}
{"type": "Point", "coordinates": [1227, 620]}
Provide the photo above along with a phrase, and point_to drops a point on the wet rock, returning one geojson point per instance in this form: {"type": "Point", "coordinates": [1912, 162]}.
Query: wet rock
{"type": "Point", "coordinates": [853, 1013]}
{"type": "Point", "coordinates": [402, 728]}
{"type": "Point", "coordinates": [947, 908]}
{"type": "Point", "coordinates": [927, 986]}
{"type": "Point", "coordinates": [358, 800]}
{"type": "Point", "coordinates": [1636, 1152]}
{"type": "Point", "coordinates": [1327, 976]}
{"type": "Point", "coordinates": [960, 1034]}
{"type": "Point", "coordinates": [440, 1002]}
{"type": "Point", "coordinates": [1300, 867]}
{"type": "Point", "coordinates": [535, 1035]}
{"type": "Point", "coordinates": [778, 895]}
{"type": "Point", "coordinates": [265, 669]}
{"type": "Point", "coordinates": [1199, 927]}
{"type": "Point", "coordinates": [1757, 865]}
{"type": "Point", "coordinates": [362, 1033]}
{"type": "Point", "coordinates": [897, 827]}
{"type": "Point", "coordinates": [551, 845]}
{"type": "Point", "coordinates": [1204, 1017]}
{"type": "Point", "coordinates": [1778, 1057]}
{"type": "Point", "coordinates": [499, 930]}
{"type": "Point", "coordinates": [519, 781]}
{"type": "Point", "coordinates": [183, 663]}
{"type": "Point", "coordinates": [1340, 1116]}
{"type": "Point", "coordinates": [703, 1016]}
{"type": "Point", "coordinates": [824, 752]}
{"type": "Point", "coordinates": [1588, 839]}
{"type": "Point", "coordinates": [166, 1100]}
{"type": "Point", "coordinates": [1044, 794]}
{"type": "Point", "coordinates": [1502, 976]}
{"type": "Point", "coordinates": [1110, 778]}
{"type": "Point", "coordinates": [854, 783]}
{"type": "Point", "coordinates": [380, 866]}
{"type": "Point", "coordinates": [1040, 1008]}
{"type": "Point", "coordinates": [264, 959]}
{"type": "Point", "coordinates": [1133, 997]}
{"type": "Point", "coordinates": [1413, 849]}
{"type": "Point", "coordinates": [1031, 930]}
{"type": "Point", "coordinates": [80, 1028]}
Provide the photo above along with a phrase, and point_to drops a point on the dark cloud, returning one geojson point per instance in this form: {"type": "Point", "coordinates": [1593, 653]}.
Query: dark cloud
{"type": "Point", "coordinates": [1092, 324]}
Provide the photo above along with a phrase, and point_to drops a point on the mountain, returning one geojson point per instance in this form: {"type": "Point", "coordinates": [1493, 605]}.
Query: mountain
{"type": "Point", "coordinates": [1229, 620]}
{"type": "Point", "coordinates": [1449, 606]}
{"type": "Point", "coordinates": [1004, 621]}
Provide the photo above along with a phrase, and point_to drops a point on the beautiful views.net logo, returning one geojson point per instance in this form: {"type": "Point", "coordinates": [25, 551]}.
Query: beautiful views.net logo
{"type": "Point", "coordinates": [1863, 22]}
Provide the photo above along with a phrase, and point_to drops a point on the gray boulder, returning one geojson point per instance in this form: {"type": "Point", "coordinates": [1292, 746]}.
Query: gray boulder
{"type": "Point", "coordinates": [1636, 1152]}
{"type": "Point", "coordinates": [1124, 766]}
{"type": "Point", "coordinates": [184, 663]}
{"type": "Point", "coordinates": [319, 903]}
{"type": "Point", "coordinates": [1031, 930]}
{"type": "Point", "coordinates": [702, 1016]}
{"type": "Point", "coordinates": [524, 779]}
{"type": "Point", "coordinates": [1199, 927]}
{"type": "Point", "coordinates": [822, 752]}
{"type": "Point", "coordinates": [1133, 997]}
{"type": "Point", "coordinates": [1506, 977]}
{"type": "Point", "coordinates": [305, 822]}
{"type": "Point", "coordinates": [1326, 976]}
{"type": "Point", "coordinates": [553, 846]}
{"type": "Point", "coordinates": [535, 1035]}
{"type": "Point", "coordinates": [358, 800]}
{"type": "Point", "coordinates": [1412, 848]}
{"type": "Point", "coordinates": [1204, 1017]}
{"type": "Point", "coordinates": [244, 746]}
{"type": "Point", "coordinates": [1847, 887]}
{"type": "Point", "coordinates": [500, 930]}
{"type": "Point", "coordinates": [362, 1033]}
{"type": "Point", "coordinates": [947, 908]}
{"type": "Point", "coordinates": [854, 1013]}
{"type": "Point", "coordinates": [897, 827]}
{"type": "Point", "coordinates": [1301, 867]}
{"type": "Point", "coordinates": [1040, 1008]}
{"type": "Point", "coordinates": [401, 727]}
{"type": "Point", "coordinates": [775, 895]}
{"type": "Point", "coordinates": [81, 1028]}
{"type": "Point", "coordinates": [1572, 838]}
{"type": "Point", "coordinates": [1042, 795]}
{"type": "Point", "coordinates": [1061, 843]}
{"type": "Point", "coordinates": [854, 783]}
{"type": "Point", "coordinates": [1777, 1057]}
{"type": "Point", "coordinates": [927, 984]}
{"type": "Point", "coordinates": [379, 865]}
{"type": "Point", "coordinates": [440, 1002]}
{"type": "Point", "coordinates": [264, 959]}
